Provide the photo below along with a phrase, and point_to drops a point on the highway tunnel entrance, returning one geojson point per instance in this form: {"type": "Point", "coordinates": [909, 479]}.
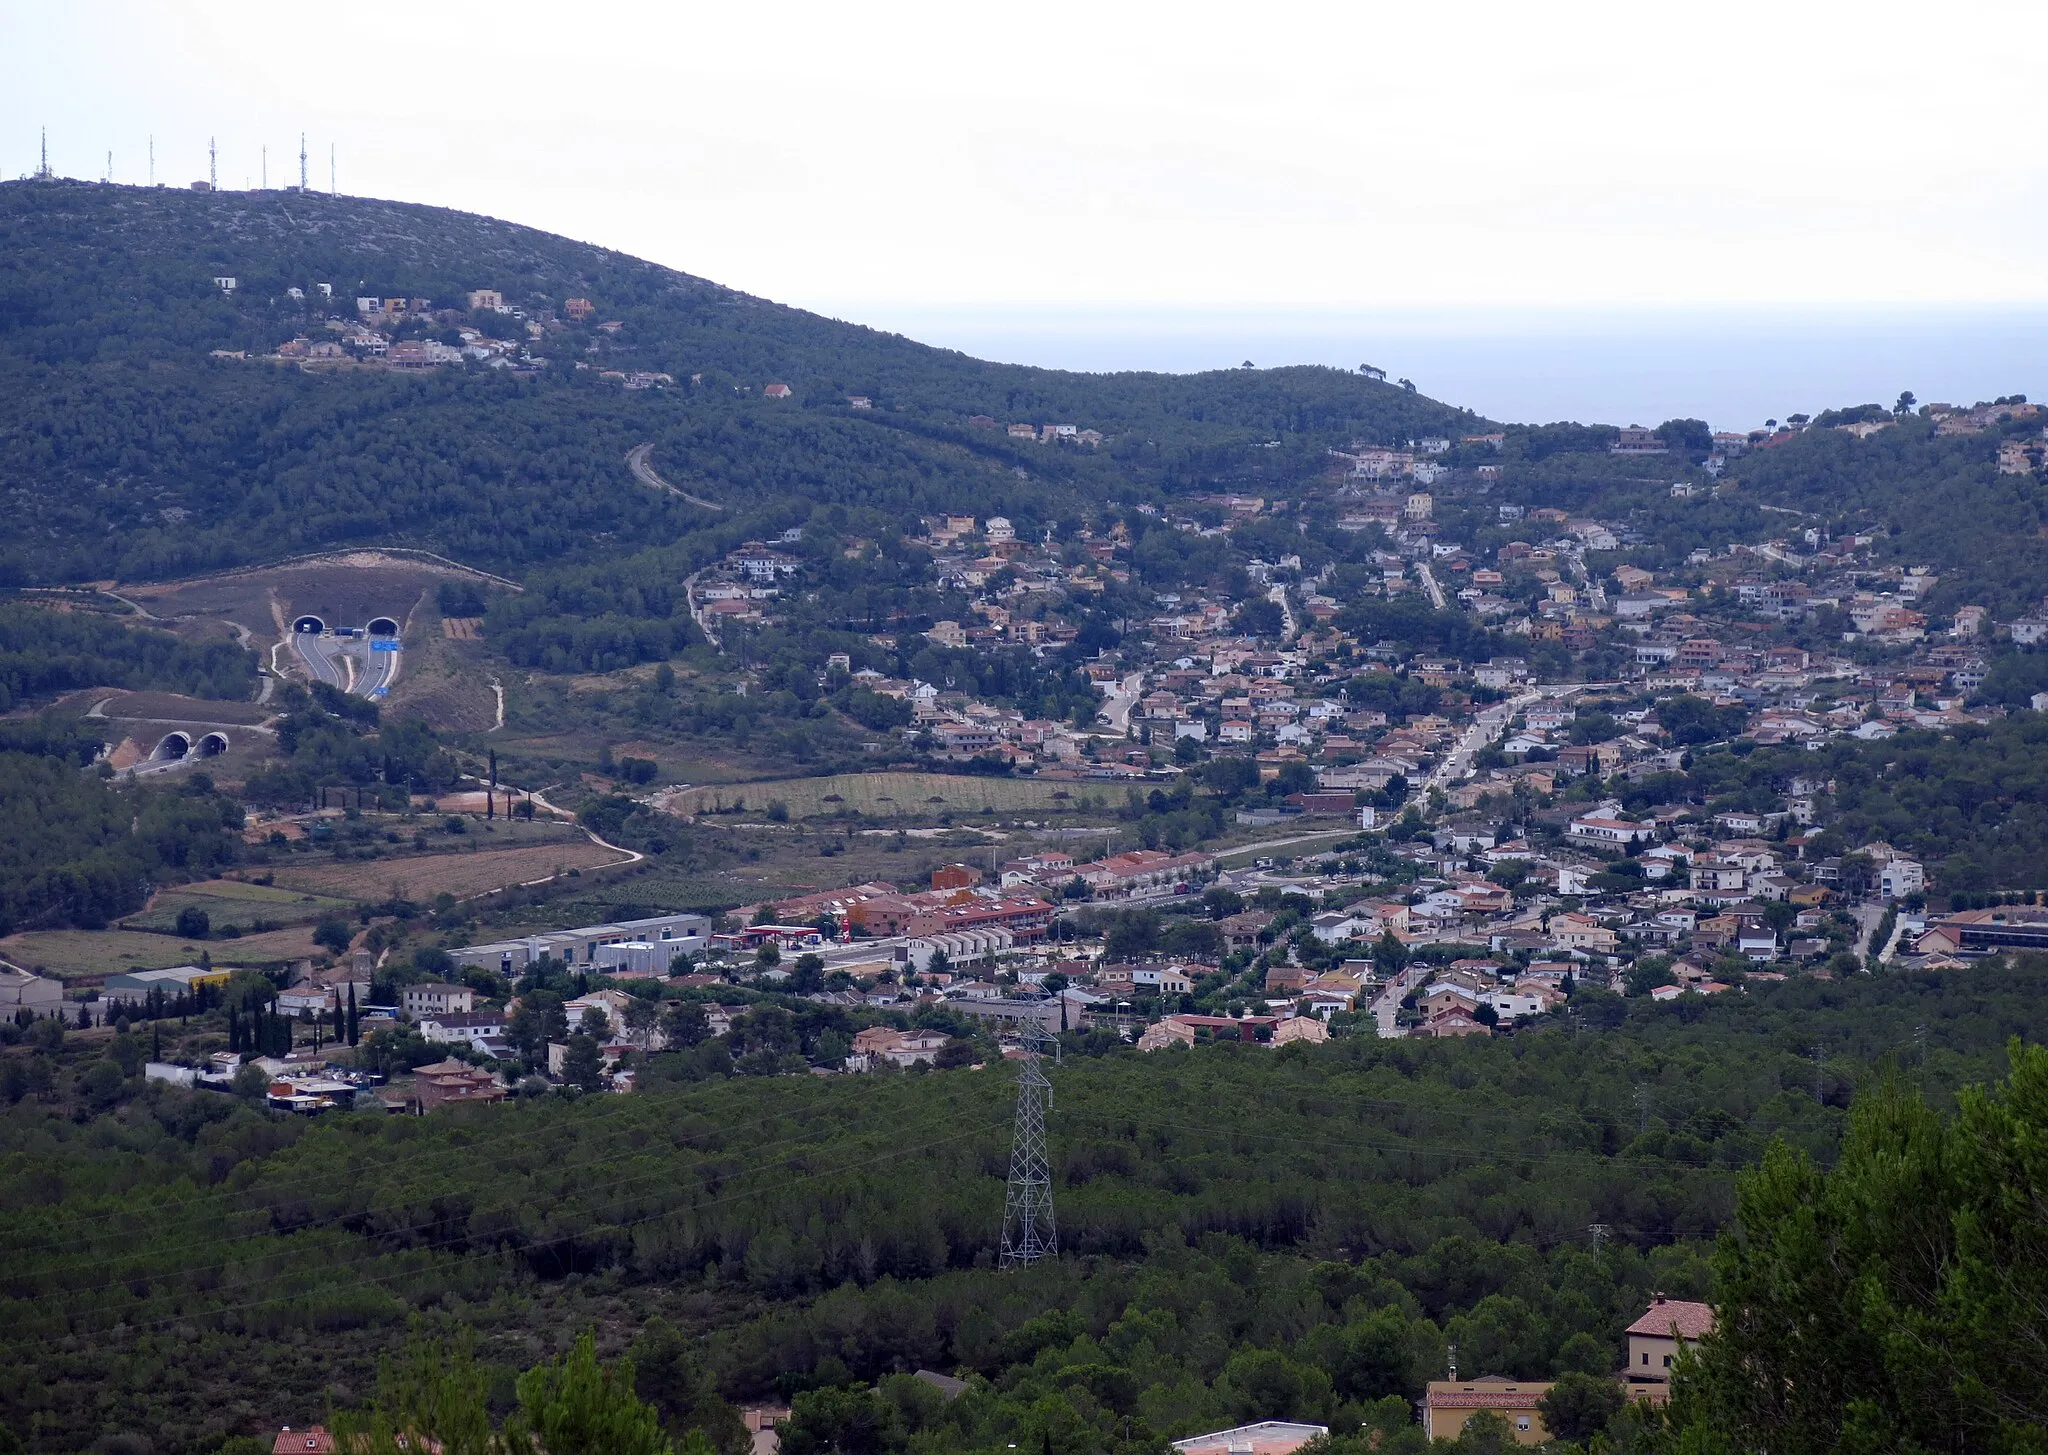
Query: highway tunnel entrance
{"type": "Point", "coordinates": [383, 626]}
{"type": "Point", "coordinates": [311, 625]}
{"type": "Point", "coordinates": [212, 745]}
{"type": "Point", "coordinates": [172, 748]}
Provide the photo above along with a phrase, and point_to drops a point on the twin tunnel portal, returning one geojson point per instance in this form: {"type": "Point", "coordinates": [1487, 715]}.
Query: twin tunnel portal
{"type": "Point", "coordinates": [361, 660]}
{"type": "Point", "coordinates": [358, 659]}
{"type": "Point", "coordinates": [380, 626]}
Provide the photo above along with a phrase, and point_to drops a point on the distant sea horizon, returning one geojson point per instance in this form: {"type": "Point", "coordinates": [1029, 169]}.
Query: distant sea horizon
{"type": "Point", "coordinates": [1733, 367]}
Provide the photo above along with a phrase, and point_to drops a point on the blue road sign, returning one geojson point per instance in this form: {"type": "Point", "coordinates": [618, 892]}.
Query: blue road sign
{"type": "Point", "coordinates": [384, 644]}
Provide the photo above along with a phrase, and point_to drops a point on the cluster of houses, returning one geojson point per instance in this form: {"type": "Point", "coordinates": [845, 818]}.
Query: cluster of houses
{"type": "Point", "coordinates": [386, 333]}
{"type": "Point", "coordinates": [746, 584]}
{"type": "Point", "coordinates": [1044, 434]}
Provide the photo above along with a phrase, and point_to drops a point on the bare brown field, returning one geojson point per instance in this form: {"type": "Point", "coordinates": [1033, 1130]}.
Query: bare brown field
{"type": "Point", "coordinates": [442, 682]}
{"type": "Point", "coordinates": [346, 588]}
{"type": "Point", "coordinates": [462, 875]}
{"type": "Point", "coordinates": [463, 628]}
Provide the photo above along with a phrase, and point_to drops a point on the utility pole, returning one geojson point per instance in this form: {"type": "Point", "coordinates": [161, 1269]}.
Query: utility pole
{"type": "Point", "coordinates": [1599, 1232]}
{"type": "Point", "coordinates": [1029, 1231]}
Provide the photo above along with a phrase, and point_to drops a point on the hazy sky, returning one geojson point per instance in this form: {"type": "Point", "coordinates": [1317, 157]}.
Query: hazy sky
{"type": "Point", "coordinates": [860, 159]}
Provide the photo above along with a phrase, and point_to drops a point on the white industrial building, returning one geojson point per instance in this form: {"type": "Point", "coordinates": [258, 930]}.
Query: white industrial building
{"type": "Point", "coordinates": [668, 934]}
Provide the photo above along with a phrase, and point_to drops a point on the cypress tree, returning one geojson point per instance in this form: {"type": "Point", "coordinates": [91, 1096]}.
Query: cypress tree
{"type": "Point", "coordinates": [351, 1012]}
{"type": "Point", "coordinates": [234, 1031]}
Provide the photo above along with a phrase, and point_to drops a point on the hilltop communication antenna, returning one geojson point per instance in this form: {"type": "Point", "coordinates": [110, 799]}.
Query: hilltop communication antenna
{"type": "Point", "coordinates": [43, 173]}
{"type": "Point", "coordinates": [1029, 1232]}
{"type": "Point", "coordinates": [332, 190]}
{"type": "Point", "coordinates": [302, 161]}
{"type": "Point", "coordinates": [265, 172]}
{"type": "Point", "coordinates": [152, 159]}
{"type": "Point", "coordinates": [212, 166]}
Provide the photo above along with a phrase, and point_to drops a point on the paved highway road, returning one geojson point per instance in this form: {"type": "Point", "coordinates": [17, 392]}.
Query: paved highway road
{"type": "Point", "coordinates": [380, 668]}
{"type": "Point", "coordinates": [349, 663]}
{"type": "Point", "coordinates": [324, 656]}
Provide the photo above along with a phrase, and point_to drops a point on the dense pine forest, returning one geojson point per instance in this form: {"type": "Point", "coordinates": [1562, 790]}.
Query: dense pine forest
{"type": "Point", "coordinates": [117, 418]}
{"type": "Point", "coordinates": [1244, 1233]}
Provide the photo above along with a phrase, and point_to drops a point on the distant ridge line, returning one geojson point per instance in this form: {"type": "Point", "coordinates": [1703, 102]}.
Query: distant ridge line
{"type": "Point", "coordinates": [336, 554]}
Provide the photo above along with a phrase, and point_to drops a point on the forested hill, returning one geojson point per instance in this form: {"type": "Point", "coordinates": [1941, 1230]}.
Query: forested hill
{"type": "Point", "coordinates": [129, 449]}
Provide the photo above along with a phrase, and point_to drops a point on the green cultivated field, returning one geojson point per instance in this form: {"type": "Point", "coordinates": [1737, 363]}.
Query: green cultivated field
{"type": "Point", "coordinates": [231, 902]}
{"type": "Point", "coordinates": [895, 795]}
{"type": "Point", "coordinates": [92, 955]}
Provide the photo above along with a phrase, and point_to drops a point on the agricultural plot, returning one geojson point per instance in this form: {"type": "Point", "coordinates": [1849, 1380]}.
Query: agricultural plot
{"type": "Point", "coordinates": [87, 957]}
{"type": "Point", "coordinates": [232, 903]}
{"type": "Point", "coordinates": [891, 795]}
{"type": "Point", "coordinates": [420, 878]}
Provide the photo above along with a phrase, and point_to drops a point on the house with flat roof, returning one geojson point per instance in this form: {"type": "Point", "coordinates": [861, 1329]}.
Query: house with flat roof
{"type": "Point", "coordinates": [425, 1000]}
{"type": "Point", "coordinates": [1267, 1437]}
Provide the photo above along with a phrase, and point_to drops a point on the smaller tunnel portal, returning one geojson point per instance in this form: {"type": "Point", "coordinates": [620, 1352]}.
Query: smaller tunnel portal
{"type": "Point", "coordinates": [383, 626]}
{"type": "Point", "coordinates": [312, 625]}
{"type": "Point", "coordinates": [213, 745]}
{"type": "Point", "coordinates": [172, 748]}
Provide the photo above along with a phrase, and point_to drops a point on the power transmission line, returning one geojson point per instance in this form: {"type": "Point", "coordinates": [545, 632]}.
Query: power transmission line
{"type": "Point", "coordinates": [1029, 1230]}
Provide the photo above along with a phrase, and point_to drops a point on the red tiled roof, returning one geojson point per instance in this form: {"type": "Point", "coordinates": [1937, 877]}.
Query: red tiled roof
{"type": "Point", "coordinates": [1486, 1394]}
{"type": "Point", "coordinates": [1675, 1318]}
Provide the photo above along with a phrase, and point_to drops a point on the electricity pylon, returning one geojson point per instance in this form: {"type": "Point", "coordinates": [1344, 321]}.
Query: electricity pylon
{"type": "Point", "coordinates": [1029, 1232]}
